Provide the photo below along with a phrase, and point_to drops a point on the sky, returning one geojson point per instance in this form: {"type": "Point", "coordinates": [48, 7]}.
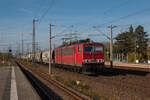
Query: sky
{"type": "Point", "coordinates": [67, 16]}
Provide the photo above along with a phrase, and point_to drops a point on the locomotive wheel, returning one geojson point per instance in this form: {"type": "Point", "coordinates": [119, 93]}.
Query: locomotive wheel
{"type": "Point", "coordinates": [79, 70]}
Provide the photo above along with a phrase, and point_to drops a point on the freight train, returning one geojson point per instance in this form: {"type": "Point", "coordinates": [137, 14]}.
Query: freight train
{"type": "Point", "coordinates": [82, 56]}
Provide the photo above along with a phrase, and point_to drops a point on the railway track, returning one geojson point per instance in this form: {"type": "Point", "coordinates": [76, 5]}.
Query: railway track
{"type": "Point", "coordinates": [126, 83]}
{"type": "Point", "coordinates": [75, 95]}
{"type": "Point", "coordinates": [125, 70]}
{"type": "Point", "coordinates": [135, 82]}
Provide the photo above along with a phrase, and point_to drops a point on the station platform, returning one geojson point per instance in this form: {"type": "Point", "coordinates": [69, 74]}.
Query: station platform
{"type": "Point", "coordinates": [124, 64]}
{"type": "Point", "coordinates": [15, 86]}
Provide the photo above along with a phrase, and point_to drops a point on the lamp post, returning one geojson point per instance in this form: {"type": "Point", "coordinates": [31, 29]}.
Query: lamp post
{"type": "Point", "coordinates": [136, 46]}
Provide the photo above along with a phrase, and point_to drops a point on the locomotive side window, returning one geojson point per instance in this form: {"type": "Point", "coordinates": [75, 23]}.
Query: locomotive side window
{"type": "Point", "coordinates": [67, 51]}
{"type": "Point", "coordinates": [60, 52]}
{"type": "Point", "coordinates": [79, 48]}
{"type": "Point", "coordinates": [88, 49]}
{"type": "Point", "coordinates": [98, 49]}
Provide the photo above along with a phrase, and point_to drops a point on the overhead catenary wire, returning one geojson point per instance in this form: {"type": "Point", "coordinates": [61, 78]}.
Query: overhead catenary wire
{"type": "Point", "coordinates": [101, 32]}
{"type": "Point", "coordinates": [35, 16]}
{"type": "Point", "coordinates": [46, 11]}
{"type": "Point", "coordinates": [125, 17]}
{"type": "Point", "coordinates": [61, 33]}
{"type": "Point", "coordinates": [41, 6]}
{"type": "Point", "coordinates": [38, 16]}
{"type": "Point", "coordinates": [116, 6]}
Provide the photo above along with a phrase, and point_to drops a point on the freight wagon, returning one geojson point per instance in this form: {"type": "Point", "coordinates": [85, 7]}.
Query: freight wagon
{"type": "Point", "coordinates": [79, 56]}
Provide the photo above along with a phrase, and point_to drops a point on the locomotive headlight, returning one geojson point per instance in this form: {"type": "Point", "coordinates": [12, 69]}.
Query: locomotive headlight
{"type": "Point", "coordinates": [85, 61]}
{"type": "Point", "coordinates": [102, 60]}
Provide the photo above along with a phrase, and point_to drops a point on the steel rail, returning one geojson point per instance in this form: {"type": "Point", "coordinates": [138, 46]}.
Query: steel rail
{"type": "Point", "coordinates": [56, 84]}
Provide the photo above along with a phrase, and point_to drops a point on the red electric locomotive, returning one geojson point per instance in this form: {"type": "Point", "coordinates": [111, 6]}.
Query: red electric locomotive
{"type": "Point", "coordinates": [82, 57]}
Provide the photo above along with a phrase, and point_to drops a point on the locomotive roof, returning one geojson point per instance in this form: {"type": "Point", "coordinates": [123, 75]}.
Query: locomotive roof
{"type": "Point", "coordinates": [75, 43]}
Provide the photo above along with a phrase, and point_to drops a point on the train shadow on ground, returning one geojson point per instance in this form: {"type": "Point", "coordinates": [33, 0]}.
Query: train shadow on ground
{"type": "Point", "coordinates": [119, 71]}
{"type": "Point", "coordinates": [115, 71]}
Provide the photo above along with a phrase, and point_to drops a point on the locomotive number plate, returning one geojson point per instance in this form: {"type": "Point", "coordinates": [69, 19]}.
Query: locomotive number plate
{"type": "Point", "coordinates": [93, 60]}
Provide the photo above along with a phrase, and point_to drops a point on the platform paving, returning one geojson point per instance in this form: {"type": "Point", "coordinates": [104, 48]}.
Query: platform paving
{"type": "Point", "coordinates": [123, 64]}
{"type": "Point", "coordinates": [5, 83]}
{"type": "Point", "coordinates": [14, 85]}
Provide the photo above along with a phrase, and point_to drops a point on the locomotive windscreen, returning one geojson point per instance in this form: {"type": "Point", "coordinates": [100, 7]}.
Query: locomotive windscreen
{"type": "Point", "coordinates": [93, 49]}
{"type": "Point", "coordinates": [88, 49]}
{"type": "Point", "coordinates": [98, 49]}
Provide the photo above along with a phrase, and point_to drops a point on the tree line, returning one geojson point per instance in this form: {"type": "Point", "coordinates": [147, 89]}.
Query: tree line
{"type": "Point", "coordinates": [132, 44]}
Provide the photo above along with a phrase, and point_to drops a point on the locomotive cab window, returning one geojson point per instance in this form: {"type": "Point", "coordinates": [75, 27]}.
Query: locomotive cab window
{"type": "Point", "coordinates": [93, 49]}
{"type": "Point", "coordinates": [98, 49]}
{"type": "Point", "coordinates": [88, 49]}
